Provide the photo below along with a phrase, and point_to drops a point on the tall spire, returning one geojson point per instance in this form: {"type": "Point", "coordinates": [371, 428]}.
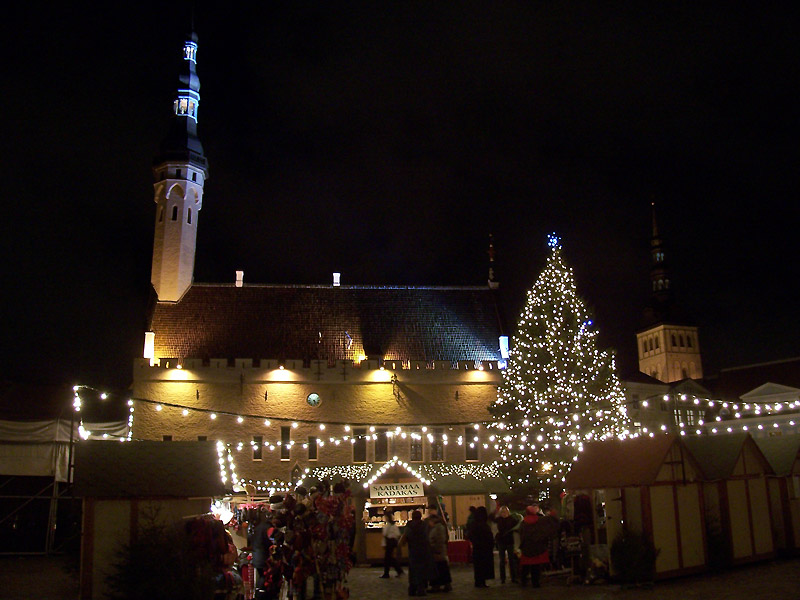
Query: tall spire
{"type": "Point", "coordinates": [180, 172]}
{"type": "Point", "coordinates": [668, 344]}
{"type": "Point", "coordinates": [659, 273]}
{"type": "Point", "coordinates": [493, 284]}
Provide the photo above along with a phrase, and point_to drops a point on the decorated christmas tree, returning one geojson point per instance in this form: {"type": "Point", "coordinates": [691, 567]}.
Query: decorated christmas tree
{"type": "Point", "coordinates": [558, 390]}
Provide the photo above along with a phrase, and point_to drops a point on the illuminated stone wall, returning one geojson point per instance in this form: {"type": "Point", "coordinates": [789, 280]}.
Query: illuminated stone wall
{"type": "Point", "coordinates": [365, 394]}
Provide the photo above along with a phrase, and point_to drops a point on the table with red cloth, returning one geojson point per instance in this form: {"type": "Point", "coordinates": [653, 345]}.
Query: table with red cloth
{"type": "Point", "coordinates": [459, 551]}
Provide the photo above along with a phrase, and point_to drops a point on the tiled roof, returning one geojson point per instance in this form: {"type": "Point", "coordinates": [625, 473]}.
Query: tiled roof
{"type": "Point", "coordinates": [730, 384]}
{"type": "Point", "coordinates": [620, 463]}
{"type": "Point", "coordinates": [333, 323]}
{"type": "Point", "coordinates": [147, 470]}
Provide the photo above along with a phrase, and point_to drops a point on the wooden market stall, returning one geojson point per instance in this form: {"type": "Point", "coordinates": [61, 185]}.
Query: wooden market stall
{"type": "Point", "coordinates": [650, 485]}
{"type": "Point", "coordinates": [783, 454]}
{"type": "Point", "coordinates": [399, 488]}
{"type": "Point", "coordinates": [737, 508]}
{"type": "Point", "coordinates": [127, 486]}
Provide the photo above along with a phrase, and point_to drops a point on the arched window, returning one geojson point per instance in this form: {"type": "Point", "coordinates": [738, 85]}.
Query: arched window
{"type": "Point", "coordinates": [189, 217]}
{"type": "Point", "coordinates": [656, 343]}
{"type": "Point", "coordinates": [680, 339]}
{"type": "Point", "coordinates": [644, 346]}
{"type": "Point", "coordinates": [689, 341]}
{"type": "Point", "coordinates": [673, 341]}
{"type": "Point", "coordinates": [660, 284]}
{"type": "Point", "coordinates": [651, 344]}
{"type": "Point", "coordinates": [174, 213]}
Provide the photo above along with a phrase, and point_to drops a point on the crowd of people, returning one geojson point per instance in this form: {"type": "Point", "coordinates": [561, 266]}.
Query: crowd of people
{"type": "Point", "coordinates": [522, 542]}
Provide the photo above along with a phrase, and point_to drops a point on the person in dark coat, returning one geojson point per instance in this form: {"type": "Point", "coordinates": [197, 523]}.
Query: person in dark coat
{"type": "Point", "coordinates": [536, 532]}
{"type": "Point", "coordinates": [421, 568]}
{"type": "Point", "coordinates": [507, 524]}
{"type": "Point", "coordinates": [480, 535]}
{"type": "Point", "coordinates": [438, 538]}
{"type": "Point", "coordinates": [260, 543]}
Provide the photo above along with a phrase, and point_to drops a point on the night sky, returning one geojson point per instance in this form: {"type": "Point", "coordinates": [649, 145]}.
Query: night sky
{"type": "Point", "coordinates": [387, 141]}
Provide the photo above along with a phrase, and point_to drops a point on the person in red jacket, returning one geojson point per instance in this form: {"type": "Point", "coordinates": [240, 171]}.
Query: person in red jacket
{"type": "Point", "coordinates": [534, 537]}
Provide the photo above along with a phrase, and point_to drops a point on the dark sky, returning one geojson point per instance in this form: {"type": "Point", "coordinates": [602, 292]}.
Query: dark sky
{"type": "Point", "coordinates": [387, 141]}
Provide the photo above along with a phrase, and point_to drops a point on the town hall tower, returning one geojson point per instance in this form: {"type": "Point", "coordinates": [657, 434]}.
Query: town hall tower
{"type": "Point", "coordinates": [180, 172]}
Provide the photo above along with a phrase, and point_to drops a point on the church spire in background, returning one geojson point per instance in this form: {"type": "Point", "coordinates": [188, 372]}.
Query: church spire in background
{"type": "Point", "coordinates": [493, 284]}
{"type": "Point", "coordinates": [659, 273]}
{"type": "Point", "coordinates": [180, 172]}
{"type": "Point", "coordinates": [669, 346]}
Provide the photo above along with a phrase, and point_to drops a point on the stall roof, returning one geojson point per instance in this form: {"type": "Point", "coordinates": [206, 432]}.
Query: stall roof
{"type": "Point", "coordinates": [147, 469]}
{"type": "Point", "coordinates": [717, 455]}
{"type": "Point", "coordinates": [781, 452]}
{"type": "Point", "coordinates": [445, 478]}
{"type": "Point", "coordinates": [620, 463]}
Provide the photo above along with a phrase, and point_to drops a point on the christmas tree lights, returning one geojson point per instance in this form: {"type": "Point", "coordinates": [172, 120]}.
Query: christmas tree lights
{"type": "Point", "coordinates": [558, 390]}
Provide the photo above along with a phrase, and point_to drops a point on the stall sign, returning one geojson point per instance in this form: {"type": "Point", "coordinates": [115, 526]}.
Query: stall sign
{"type": "Point", "coordinates": [396, 490]}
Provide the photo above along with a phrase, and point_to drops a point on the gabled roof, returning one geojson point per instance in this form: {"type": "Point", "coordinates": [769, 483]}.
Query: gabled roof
{"type": "Point", "coordinates": [620, 463]}
{"type": "Point", "coordinates": [769, 390]}
{"type": "Point", "coordinates": [781, 452]}
{"type": "Point", "coordinates": [334, 323]}
{"type": "Point", "coordinates": [717, 455]}
{"type": "Point", "coordinates": [147, 470]}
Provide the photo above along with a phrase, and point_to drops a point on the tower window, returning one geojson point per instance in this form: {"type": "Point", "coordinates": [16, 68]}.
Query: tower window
{"type": "Point", "coordinates": [286, 439]}
{"type": "Point", "coordinates": [680, 340]}
{"type": "Point", "coordinates": [178, 172]}
{"type": "Point", "coordinates": [656, 343]}
{"type": "Point", "coordinates": [189, 217]}
{"type": "Point", "coordinates": [174, 213]}
{"type": "Point", "coordinates": [644, 346]}
{"type": "Point", "coordinates": [359, 445]}
{"type": "Point", "coordinates": [689, 341]}
{"type": "Point", "coordinates": [194, 176]}
{"type": "Point", "coordinates": [660, 284]}
{"type": "Point", "coordinates": [471, 446]}
{"type": "Point", "coordinates": [258, 446]}
{"type": "Point", "coordinates": [381, 446]}
{"type": "Point", "coordinates": [673, 340]}
{"type": "Point", "coordinates": [437, 446]}
{"type": "Point", "coordinates": [416, 446]}
{"type": "Point", "coordinates": [312, 447]}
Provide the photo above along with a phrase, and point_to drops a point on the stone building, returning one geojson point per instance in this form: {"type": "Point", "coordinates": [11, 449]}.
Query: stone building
{"type": "Point", "coordinates": [289, 378]}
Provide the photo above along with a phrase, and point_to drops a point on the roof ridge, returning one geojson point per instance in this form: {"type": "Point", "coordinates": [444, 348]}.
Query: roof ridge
{"type": "Point", "coordinates": [352, 287]}
{"type": "Point", "coordinates": [762, 364]}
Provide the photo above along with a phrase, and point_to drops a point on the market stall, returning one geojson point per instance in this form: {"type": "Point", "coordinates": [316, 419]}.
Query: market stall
{"type": "Point", "coordinates": [738, 512]}
{"type": "Point", "coordinates": [783, 454]}
{"type": "Point", "coordinates": [128, 487]}
{"type": "Point", "coordinates": [399, 488]}
{"type": "Point", "coordinates": [650, 486]}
